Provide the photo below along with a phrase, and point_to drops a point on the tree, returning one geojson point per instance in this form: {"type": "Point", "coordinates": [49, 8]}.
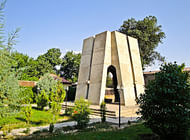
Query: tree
{"type": "Point", "coordinates": [25, 65]}
{"type": "Point", "coordinates": [49, 90]}
{"type": "Point", "coordinates": [46, 83]}
{"type": "Point", "coordinates": [57, 96]}
{"type": "Point", "coordinates": [21, 60]}
{"type": "Point", "coordinates": [165, 106]}
{"type": "Point", "coordinates": [70, 66]}
{"type": "Point", "coordinates": [46, 63]}
{"type": "Point", "coordinates": [9, 88]}
{"type": "Point", "coordinates": [43, 66]}
{"type": "Point", "coordinates": [149, 35]}
{"type": "Point", "coordinates": [53, 56]}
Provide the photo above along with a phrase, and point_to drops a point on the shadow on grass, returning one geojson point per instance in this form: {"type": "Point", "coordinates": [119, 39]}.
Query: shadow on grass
{"type": "Point", "coordinates": [36, 108]}
{"type": "Point", "coordinates": [40, 122]}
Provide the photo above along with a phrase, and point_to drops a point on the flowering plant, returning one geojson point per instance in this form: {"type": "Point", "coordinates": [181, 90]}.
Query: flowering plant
{"type": "Point", "coordinates": [81, 112]}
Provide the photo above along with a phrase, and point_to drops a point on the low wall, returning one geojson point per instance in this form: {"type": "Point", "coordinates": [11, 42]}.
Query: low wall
{"type": "Point", "coordinates": [27, 83]}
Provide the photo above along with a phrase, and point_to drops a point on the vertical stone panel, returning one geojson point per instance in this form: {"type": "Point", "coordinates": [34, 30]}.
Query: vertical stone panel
{"type": "Point", "coordinates": [85, 68]}
{"type": "Point", "coordinates": [125, 70]}
{"type": "Point", "coordinates": [136, 65]}
{"type": "Point", "coordinates": [99, 67]}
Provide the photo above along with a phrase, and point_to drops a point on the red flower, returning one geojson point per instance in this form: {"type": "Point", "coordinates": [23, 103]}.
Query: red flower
{"type": "Point", "coordinates": [75, 112]}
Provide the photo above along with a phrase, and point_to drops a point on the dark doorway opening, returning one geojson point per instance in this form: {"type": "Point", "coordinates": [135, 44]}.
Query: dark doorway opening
{"type": "Point", "coordinates": [111, 94]}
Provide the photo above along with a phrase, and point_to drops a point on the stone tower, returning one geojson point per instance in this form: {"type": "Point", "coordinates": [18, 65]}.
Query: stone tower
{"type": "Point", "coordinates": [110, 50]}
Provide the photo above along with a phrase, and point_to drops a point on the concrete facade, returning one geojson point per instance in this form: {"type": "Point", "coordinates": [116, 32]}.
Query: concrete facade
{"type": "Point", "coordinates": [99, 53]}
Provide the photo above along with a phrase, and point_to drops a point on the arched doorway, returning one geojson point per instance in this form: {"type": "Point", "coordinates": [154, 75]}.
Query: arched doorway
{"type": "Point", "coordinates": [111, 94]}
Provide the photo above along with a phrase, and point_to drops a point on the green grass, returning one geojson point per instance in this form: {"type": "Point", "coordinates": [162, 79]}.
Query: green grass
{"type": "Point", "coordinates": [38, 118]}
{"type": "Point", "coordinates": [129, 133]}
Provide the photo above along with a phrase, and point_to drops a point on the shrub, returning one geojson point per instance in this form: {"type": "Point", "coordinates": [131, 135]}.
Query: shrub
{"type": "Point", "coordinates": [57, 93]}
{"type": "Point", "coordinates": [68, 111]}
{"type": "Point", "coordinates": [27, 94]}
{"type": "Point", "coordinates": [28, 113]}
{"type": "Point", "coordinates": [55, 107]}
{"type": "Point", "coordinates": [55, 110]}
{"type": "Point", "coordinates": [42, 100]}
{"type": "Point", "coordinates": [81, 112]}
{"type": "Point", "coordinates": [166, 103]}
{"type": "Point", "coordinates": [46, 83]}
{"type": "Point", "coordinates": [53, 89]}
{"type": "Point", "coordinates": [103, 111]}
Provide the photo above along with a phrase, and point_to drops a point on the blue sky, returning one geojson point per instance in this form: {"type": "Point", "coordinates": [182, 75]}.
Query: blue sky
{"type": "Point", "coordinates": [64, 24]}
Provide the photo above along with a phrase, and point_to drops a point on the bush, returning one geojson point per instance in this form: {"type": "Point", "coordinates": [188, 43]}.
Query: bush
{"type": "Point", "coordinates": [103, 111]}
{"type": "Point", "coordinates": [27, 94]}
{"type": "Point", "coordinates": [68, 111]}
{"type": "Point", "coordinates": [81, 112]}
{"type": "Point", "coordinates": [28, 113]}
{"type": "Point", "coordinates": [49, 90]}
{"type": "Point", "coordinates": [54, 90]}
{"type": "Point", "coordinates": [42, 100]}
{"type": "Point", "coordinates": [166, 103]}
{"type": "Point", "coordinates": [55, 110]}
{"type": "Point", "coordinates": [47, 83]}
{"type": "Point", "coordinates": [57, 93]}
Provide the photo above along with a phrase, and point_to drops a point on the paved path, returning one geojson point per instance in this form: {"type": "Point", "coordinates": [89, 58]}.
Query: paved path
{"type": "Point", "coordinates": [93, 119]}
{"type": "Point", "coordinates": [19, 132]}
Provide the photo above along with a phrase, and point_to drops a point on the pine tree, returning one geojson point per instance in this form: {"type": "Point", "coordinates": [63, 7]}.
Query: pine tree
{"type": "Point", "coordinates": [9, 88]}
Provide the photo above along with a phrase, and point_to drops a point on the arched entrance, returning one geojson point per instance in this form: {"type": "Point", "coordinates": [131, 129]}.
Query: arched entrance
{"type": "Point", "coordinates": [111, 94]}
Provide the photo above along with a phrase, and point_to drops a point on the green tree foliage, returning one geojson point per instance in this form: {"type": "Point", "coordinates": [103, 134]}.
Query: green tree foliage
{"type": "Point", "coordinates": [46, 63]}
{"type": "Point", "coordinates": [46, 83]}
{"type": "Point", "coordinates": [9, 88]}
{"type": "Point", "coordinates": [43, 66]}
{"type": "Point", "coordinates": [52, 56]}
{"type": "Point", "coordinates": [81, 112]}
{"type": "Point", "coordinates": [165, 106]}
{"type": "Point", "coordinates": [58, 94]}
{"type": "Point", "coordinates": [55, 110]}
{"type": "Point", "coordinates": [70, 66]}
{"type": "Point", "coordinates": [25, 65]}
{"type": "Point", "coordinates": [50, 88]}
{"type": "Point", "coordinates": [32, 69]}
{"type": "Point", "coordinates": [27, 94]}
{"type": "Point", "coordinates": [45, 86]}
{"type": "Point", "coordinates": [21, 60]}
{"type": "Point", "coordinates": [149, 35]}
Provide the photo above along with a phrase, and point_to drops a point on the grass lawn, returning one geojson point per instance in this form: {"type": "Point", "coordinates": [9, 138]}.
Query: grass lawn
{"type": "Point", "coordinates": [129, 133]}
{"type": "Point", "coordinates": [38, 118]}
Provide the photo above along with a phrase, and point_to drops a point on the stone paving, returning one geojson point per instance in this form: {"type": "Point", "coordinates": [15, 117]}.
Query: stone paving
{"type": "Point", "coordinates": [126, 112]}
